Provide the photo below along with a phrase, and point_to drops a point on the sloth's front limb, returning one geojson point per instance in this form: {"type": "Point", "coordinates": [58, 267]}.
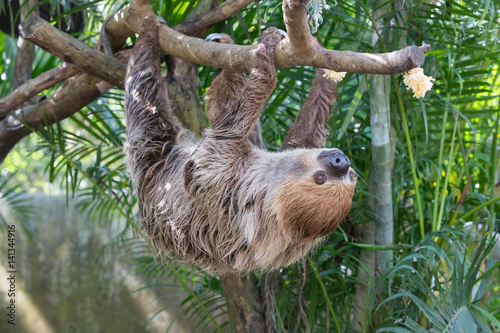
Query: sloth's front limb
{"type": "Point", "coordinates": [241, 118]}
{"type": "Point", "coordinates": [151, 125]}
{"type": "Point", "coordinates": [226, 87]}
{"type": "Point", "coordinates": [310, 128]}
{"type": "Point", "coordinates": [225, 90]}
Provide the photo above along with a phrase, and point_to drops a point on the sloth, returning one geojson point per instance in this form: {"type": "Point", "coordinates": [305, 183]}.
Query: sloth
{"type": "Point", "coordinates": [223, 203]}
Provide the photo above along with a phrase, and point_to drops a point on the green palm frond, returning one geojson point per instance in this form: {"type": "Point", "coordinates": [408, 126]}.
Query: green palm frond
{"type": "Point", "coordinates": [437, 282]}
{"type": "Point", "coordinates": [15, 207]}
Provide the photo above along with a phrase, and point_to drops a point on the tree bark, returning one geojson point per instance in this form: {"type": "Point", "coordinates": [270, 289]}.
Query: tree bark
{"type": "Point", "coordinates": [70, 49]}
{"type": "Point", "coordinates": [244, 303]}
{"type": "Point", "coordinates": [32, 87]}
{"type": "Point", "coordinates": [381, 231]}
{"type": "Point", "coordinates": [23, 62]}
{"type": "Point", "coordinates": [25, 52]}
{"type": "Point", "coordinates": [183, 82]}
{"type": "Point", "coordinates": [362, 315]}
{"type": "Point", "coordinates": [381, 173]}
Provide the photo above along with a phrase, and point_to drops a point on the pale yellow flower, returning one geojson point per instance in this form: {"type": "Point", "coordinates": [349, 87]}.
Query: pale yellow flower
{"type": "Point", "coordinates": [418, 82]}
{"type": "Point", "coordinates": [333, 75]}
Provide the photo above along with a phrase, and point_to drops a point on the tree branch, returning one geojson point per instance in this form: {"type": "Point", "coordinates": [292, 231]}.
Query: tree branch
{"type": "Point", "coordinates": [70, 49]}
{"type": "Point", "coordinates": [25, 51]}
{"type": "Point", "coordinates": [83, 86]}
{"type": "Point", "coordinates": [34, 86]}
{"type": "Point", "coordinates": [300, 48]}
{"type": "Point", "coordinates": [193, 26]}
{"type": "Point", "coordinates": [74, 94]}
{"type": "Point", "coordinates": [128, 20]}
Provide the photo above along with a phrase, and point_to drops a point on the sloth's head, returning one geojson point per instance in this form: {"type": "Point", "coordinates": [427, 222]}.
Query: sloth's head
{"type": "Point", "coordinates": [315, 194]}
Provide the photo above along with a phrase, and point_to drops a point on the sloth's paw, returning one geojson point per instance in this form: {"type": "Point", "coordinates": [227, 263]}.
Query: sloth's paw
{"type": "Point", "coordinates": [271, 37]}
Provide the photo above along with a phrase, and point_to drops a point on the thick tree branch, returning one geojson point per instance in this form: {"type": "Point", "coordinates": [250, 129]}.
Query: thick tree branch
{"type": "Point", "coordinates": [119, 28]}
{"type": "Point", "coordinates": [23, 62]}
{"type": "Point", "coordinates": [117, 32]}
{"type": "Point", "coordinates": [70, 49]}
{"type": "Point", "coordinates": [300, 48]}
{"type": "Point", "coordinates": [12, 132]}
{"type": "Point", "coordinates": [193, 26]}
{"type": "Point", "coordinates": [34, 86]}
{"type": "Point", "coordinates": [128, 20]}
{"type": "Point", "coordinates": [74, 94]}
{"type": "Point", "coordinates": [25, 51]}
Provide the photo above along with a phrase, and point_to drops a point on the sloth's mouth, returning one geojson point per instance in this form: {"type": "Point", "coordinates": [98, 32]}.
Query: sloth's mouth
{"type": "Point", "coordinates": [352, 175]}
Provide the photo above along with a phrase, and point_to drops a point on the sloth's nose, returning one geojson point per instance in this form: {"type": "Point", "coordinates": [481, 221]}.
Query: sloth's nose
{"type": "Point", "coordinates": [337, 161]}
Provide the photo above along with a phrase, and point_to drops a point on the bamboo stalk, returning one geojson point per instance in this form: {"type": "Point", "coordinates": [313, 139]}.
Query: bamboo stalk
{"type": "Point", "coordinates": [412, 163]}
{"type": "Point", "coordinates": [447, 177]}
{"type": "Point", "coordinates": [440, 163]}
{"type": "Point", "coordinates": [494, 161]}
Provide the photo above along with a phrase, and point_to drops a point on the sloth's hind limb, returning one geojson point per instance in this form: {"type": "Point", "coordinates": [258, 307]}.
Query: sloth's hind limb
{"type": "Point", "coordinates": [310, 127]}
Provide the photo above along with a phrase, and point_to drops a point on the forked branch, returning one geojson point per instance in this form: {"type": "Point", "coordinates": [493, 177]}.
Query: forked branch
{"type": "Point", "coordinates": [300, 48]}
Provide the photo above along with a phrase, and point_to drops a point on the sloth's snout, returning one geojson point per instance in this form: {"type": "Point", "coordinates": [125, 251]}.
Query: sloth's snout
{"type": "Point", "coordinates": [336, 161]}
{"type": "Point", "coordinates": [339, 163]}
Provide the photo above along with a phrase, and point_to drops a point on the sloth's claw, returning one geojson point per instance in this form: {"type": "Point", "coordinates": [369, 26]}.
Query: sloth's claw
{"type": "Point", "coordinates": [283, 33]}
{"type": "Point", "coordinates": [213, 37]}
{"type": "Point", "coordinates": [221, 37]}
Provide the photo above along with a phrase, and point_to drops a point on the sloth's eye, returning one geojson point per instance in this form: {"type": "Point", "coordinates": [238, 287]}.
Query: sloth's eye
{"type": "Point", "coordinates": [320, 177]}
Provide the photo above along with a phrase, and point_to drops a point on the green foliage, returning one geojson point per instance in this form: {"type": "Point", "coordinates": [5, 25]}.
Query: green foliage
{"type": "Point", "coordinates": [443, 282]}
{"type": "Point", "coordinates": [439, 284]}
{"type": "Point", "coordinates": [14, 207]}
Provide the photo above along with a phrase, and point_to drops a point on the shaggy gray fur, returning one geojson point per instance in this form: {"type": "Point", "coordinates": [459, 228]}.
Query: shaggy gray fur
{"type": "Point", "coordinates": [223, 203]}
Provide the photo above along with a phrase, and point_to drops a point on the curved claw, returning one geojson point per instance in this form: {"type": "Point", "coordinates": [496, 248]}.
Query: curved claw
{"type": "Point", "coordinates": [283, 33]}
{"type": "Point", "coordinates": [221, 37]}
{"type": "Point", "coordinates": [161, 19]}
{"type": "Point", "coordinates": [214, 36]}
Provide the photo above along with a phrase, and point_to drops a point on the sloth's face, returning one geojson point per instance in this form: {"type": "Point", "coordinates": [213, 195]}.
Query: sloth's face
{"type": "Point", "coordinates": [316, 193]}
{"type": "Point", "coordinates": [333, 165]}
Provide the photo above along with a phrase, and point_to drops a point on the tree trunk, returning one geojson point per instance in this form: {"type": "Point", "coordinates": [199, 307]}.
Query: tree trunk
{"type": "Point", "coordinates": [381, 173]}
{"type": "Point", "coordinates": [365, 280]}
{"type": "Point", "coordinates": [381, 231]}
{"type": "Point", "coordinates": [245, 307]}
{"type": "Point", "coordinates": [382, 157]}
{"type": "Point", "coordinates": [183, 85]}
{"type": "Point", "coordinates": [25, 52]}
